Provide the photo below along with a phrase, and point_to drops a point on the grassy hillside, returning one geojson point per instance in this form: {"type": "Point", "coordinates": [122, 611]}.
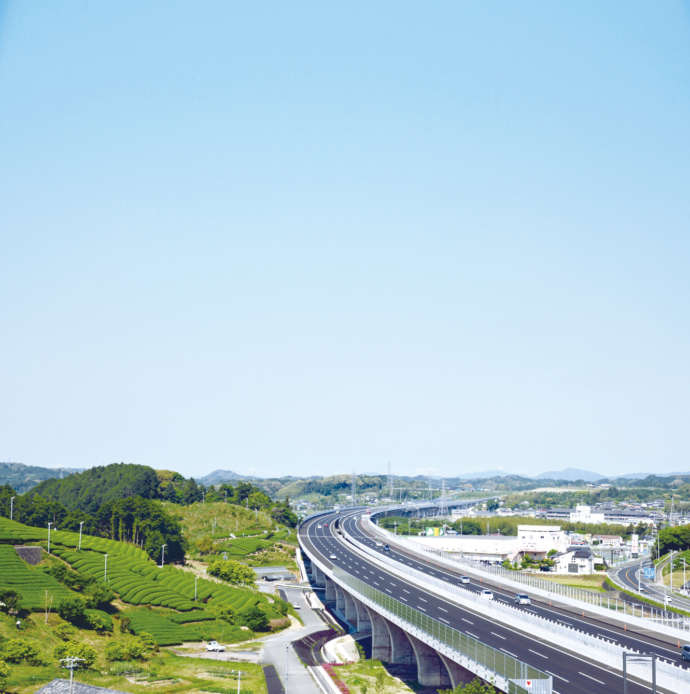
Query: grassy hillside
{"type": "Point", "coordinates": [252, 537]}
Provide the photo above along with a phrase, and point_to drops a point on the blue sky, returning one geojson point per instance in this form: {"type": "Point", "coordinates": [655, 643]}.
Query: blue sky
{"type": "Point", "coordinates": [308, 240]}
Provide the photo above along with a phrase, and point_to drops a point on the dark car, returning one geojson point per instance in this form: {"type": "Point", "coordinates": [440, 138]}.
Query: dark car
{"type": "Point", "coordinates": [386, 548]}
{"type": "Point", "coordinates": [685, 652]}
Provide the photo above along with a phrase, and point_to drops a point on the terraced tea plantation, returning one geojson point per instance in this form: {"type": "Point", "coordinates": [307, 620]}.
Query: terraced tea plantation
{"type": "Point", "coordinates": [31, 583]}
{"type": "Point", "coordinates": [135, 579]}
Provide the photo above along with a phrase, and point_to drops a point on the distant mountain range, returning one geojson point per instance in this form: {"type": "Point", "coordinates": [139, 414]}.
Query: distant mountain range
{"type": "Point", "coordinates": [24, 477]}
{"type": "Point", "coordinates": [220, 476]}
{"type": "Point", "coordinates": [570, 474]}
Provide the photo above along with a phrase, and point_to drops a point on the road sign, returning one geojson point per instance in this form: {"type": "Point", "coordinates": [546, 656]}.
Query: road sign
{"type": "Point", "coordinates": [649, 572]}
{"type": "Point", "coordinates": [528, 684]}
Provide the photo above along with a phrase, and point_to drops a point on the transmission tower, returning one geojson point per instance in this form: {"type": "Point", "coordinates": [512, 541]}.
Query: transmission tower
{"type": "Point", "coordinates": [354, 488]}
{"type": "Point", "coordinates": [442, 503]}
{"type": "Point", "coordinates": [390, 481]}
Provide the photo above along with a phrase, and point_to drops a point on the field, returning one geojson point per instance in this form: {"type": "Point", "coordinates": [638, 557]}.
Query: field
{"type": "Point", "coordinates": [164, 672]}
{"type": "Point", "coordinates": [30, 582]}
{"type": "Point", "coordinates": [593, 582]}
{"type": "Point", "coordinates": [243, 534]}
{"type": "Point", "coordinates": [136, 580]}
{"type": "Point", "coordinates": [370, 676]}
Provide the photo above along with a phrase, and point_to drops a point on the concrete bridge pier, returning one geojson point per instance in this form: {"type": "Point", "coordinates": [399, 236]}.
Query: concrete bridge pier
{"type": "Point", "coordinates": [431, 670]}
{"type": "Point", "coordinates": [401, 650]}
{"type": "Point", "coordinates": [330, 590]}
{"type": "Point", "coordinates": [380, 637]}
{"type": "Point", "coordinates": [339, 598]}
{"type": "Point", "coordinates": [351, 612]}
{"type": "Point", "coordinates": [457, 673]}
{"type": "Point", "coordinates": [363, 621]}
{"type": "Point", "coordinates": [319, 576]}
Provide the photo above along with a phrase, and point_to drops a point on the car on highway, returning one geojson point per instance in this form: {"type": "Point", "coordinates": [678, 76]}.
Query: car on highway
{"type": "Point", "coordinates": [379, 544]}
{"type": "Point", "coordinates": [386, 548]}
{"type": "Point", "coordinates": [487, 594]}
{"type": "Point", "coordinates": [522, 599]}
{"type": "Point", "coordinates": [332, 556]}
{"type": "Point", "coordinates": [685, 652]}
{"type": "Point", "coordinates": [215, 646]}
{"type": "Point", "coordinates": [464, 579]}
{"type": "Point", "coordinates": [296, 605]}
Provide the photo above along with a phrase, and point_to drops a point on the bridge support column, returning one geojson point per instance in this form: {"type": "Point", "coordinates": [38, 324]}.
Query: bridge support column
{"type": "Point", "coordinates": [330, 590]}
{"type": "Point", "coordinates": [401, 650]}
{"type": "Point", "coordinates": [363, 621]}
{"type": "Point", "coordinates": [380, 637]}
{"type": "Point", "coordinates": [339, 598]}
{"type": "Point", "coordinates": [457, 673]}
{"type": "Point", "coordinates": [351, 612]}
{"type": "Point", "coordinates": [319, 576]}
{"type": "Point", "coordinates": [431, 670]}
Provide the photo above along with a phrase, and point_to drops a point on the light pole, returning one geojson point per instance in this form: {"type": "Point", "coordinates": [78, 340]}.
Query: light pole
{"type": "Point", "coordinates": [12, 507]}
{"type": "Point", "coordinates": [163, 555]}
{"type": "Point", "coordinates": [81, 525]}
{"type": "Point", "coordinates": [105, 568]}
{"type": "Point", "coordinates": [239, 680]}
{"type": "Point", "coordinates": [287, 655]}
{"type": "Point", "coordinates": [49, 524]}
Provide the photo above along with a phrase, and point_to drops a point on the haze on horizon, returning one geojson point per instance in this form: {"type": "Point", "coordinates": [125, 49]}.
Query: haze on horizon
{"type": "Point", "coordinates": [310, 240]}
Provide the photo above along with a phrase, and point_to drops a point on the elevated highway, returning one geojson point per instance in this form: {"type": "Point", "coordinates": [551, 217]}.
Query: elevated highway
{"type": "Point", "coordinates": [570, 672]}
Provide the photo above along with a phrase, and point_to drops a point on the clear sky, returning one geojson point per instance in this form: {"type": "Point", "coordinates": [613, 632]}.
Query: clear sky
{"type": "Point", "coordinates": [286, 238]}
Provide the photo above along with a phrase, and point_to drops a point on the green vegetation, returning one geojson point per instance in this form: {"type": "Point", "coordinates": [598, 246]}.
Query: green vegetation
{"type": "Point", "coordinates": [673, 538]}
{"type": "Point", "coordinates": [476, 686]}
{"type": "Point", "coordinates": [231, 571]}
{"type": "Point", "coordinates": [370, 677]}
{"type": "Point", "coordinates": [35, 652]}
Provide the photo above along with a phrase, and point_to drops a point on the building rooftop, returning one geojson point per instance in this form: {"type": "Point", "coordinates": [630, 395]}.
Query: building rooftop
{"type": "Point", "coordinates": [60, 686]}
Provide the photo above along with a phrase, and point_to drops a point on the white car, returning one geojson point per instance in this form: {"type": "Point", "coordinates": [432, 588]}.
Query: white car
{"type": "Point", "coordinates": [522, 599]}
{"type": "Point", "coordinates": [464, 579]}
{"type": "Point", "coordinates": [487, 594]}
{"type": "Point", "coordinates": [296, 605]}
{"type": "Point", "coordinates": [215, 646]}
{"type": "Point", "coordinates": [332, 556]}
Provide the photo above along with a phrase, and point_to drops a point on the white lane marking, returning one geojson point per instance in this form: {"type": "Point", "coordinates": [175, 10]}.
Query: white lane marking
{"type": "Point", "coordinates": [444, 620]}
{"type": "Point", "coordinates": [466, 620]}
{"type": "Point", "coordinates": [499, 636]}
{"type": "Point", "coordinates": [423, 600]}
{"type": "Point", "coordinates": [560, 677]}
{"type": "Point", "coordinates": [419, 607]}
{"type": "Point", "coordinates": [508, 652]}
{"type": "Point", "coordinates": [406, 591]}
{"type": "Point", "coordinates": [591, 678]}
{"type": "Point", "coordinates": [541, 655]}
{"type": "Point", "coordinates": [402, 597]}
{"type": "Point", "coordinates": [474, 636]}
{"type": "Point", "coordinates": [443, 609]}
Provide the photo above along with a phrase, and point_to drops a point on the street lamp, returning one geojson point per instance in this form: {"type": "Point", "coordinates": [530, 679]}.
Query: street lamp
{"type": "Point", "coordinates": [81, 525]}
{"type": "Point", "coordinates": [49, 524]}
{"type": "Point", "coordinates": [287, 655]}
{"type": "Point", "coordinates": [12, 506]}
{"type": "Point", "coordinates": [163, 555]}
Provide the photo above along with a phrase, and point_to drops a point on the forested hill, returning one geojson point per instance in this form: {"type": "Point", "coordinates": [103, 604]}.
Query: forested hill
{"type": "Point", "coordinates": [23, 477]}
{"type": "Point", "coordinates": [89, 490]}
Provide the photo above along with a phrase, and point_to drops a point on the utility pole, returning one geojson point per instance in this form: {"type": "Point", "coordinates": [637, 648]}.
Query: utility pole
{"type": "Point", "coordinates": [163, 555]}
{"type": "Point", "coordinates": [81, 525]}
{"type": "Point", "coordinates": [354, 488]}
{"type": "Point", "coordinates": [70, 663]}
{"type": "Point", "coordinates": [49, 524]}
{"type": "Point", "coordinates": [390, 481]}
{"type": "Point", "coordinates": [12, 507]}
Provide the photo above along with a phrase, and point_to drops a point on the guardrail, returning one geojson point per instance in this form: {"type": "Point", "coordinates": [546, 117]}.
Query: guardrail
{"type": "Point", "coordinates": [491, 664]}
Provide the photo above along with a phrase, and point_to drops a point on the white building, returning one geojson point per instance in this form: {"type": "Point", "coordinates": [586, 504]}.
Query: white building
{"type": "Point", "coordinates": [576, 560]}
{"type": "Point", "coordinates": [583, 514]}
{"type": "Point", "coordinates": [538, 540]}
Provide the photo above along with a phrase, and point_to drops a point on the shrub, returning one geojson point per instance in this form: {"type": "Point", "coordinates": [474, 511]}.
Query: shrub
{"type": "Point", "coordinates": [10, 598]}
{"type": "Point", "coordinates": [74, 649]}
{"type": "Point", "coordinates": [254, 618]}
{"type": "Point", "coordinates": [100, 621]}
{"type": "Point", "coordinates": [125, 624]}
{"type": "Point", "coordinates": [65, 631]}
{"type": "Point", "coordinates": [227, 614]}
{"type": "Point", "coordinates": [99, 595]}
{"type": "Point", "coordinates": [72, 609]}
{"type": "Point", "coordinates": [231, 571]}
{"type": "Point", "coordinates": [21, 650]}
{"type": "Point", "coordinates": [4, 674]}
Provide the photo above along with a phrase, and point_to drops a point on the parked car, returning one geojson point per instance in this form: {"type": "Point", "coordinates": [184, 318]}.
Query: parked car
{"type": "Point", "coordinates": [522, 599]}
{"type": "Point", "coordinates": [215, 646]}
{"type": "Point", "coordinates": [464, 579]}
{"type": "Point", "coordinates": [685, 652]}
{"type": "Point", "coordinates": [487, 594]}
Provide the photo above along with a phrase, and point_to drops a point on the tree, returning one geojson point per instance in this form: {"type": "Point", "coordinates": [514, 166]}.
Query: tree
{"type": "Point", "coordinates": [21, 650]}
{"type": "Point", "coordinates": [231, 571]}
{"type": "Point", "coordinates": [72, 609]}
{"type": "Point", "coordinates": [476, 686]}
{"type": "Point", "coordinates": [492, 504]}
{"type": "Point", "coordinates": [74, 649]}
{"type": "Point", "coordinates": [10, 598]}
{"type": "Point", "coordinates": [4, 674]}
{"type": "Point", "coordinates": [254, 618]}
